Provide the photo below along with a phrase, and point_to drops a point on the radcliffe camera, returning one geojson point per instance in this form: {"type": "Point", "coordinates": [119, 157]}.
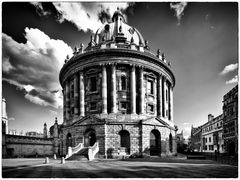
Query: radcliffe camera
{"type": "Point", "coordinates": [120, 90]}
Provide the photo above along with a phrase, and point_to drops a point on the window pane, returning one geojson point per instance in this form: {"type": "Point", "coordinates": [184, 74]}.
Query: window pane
{"type": "Point", "coordinates": [150, 87]}
{"type": "Point", "coordinates": [93, 84]}
{"type": "Point", "coordinates": [123, 83]}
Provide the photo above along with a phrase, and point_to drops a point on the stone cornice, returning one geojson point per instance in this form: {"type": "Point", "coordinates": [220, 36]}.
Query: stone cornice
{"type": "Point", "coordinates": [116, 56]}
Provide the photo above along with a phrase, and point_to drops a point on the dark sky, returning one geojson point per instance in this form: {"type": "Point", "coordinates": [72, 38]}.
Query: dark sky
{"type": "Point", "coordinates": [201, 42]}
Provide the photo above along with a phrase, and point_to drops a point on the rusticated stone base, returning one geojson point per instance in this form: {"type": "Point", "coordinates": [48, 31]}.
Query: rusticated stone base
{"type": "Point", "coordinates": [149, 137]}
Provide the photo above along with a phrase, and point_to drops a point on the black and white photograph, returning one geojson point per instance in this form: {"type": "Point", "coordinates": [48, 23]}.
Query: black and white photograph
{"type": "Point", "coordinates": [119, 89]}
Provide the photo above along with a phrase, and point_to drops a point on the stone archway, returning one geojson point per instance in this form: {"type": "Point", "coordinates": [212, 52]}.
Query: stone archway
{"type": "Point", "coordinates": [125, 140]}
{"type": "Point", "coordinates": [89, 137]}
{"type": "Point", "coordinates": [155, 142]}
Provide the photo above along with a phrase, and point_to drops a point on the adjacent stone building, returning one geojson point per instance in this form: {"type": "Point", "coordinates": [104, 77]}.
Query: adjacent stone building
{"type": "Point", "coordinates": [219, 134]}
{"type": "Point", "coordinates": [212, 135]}
{"type": "Point", "coordinates": [119, 94]}
{"type": "Point", "coordinates": [196, 139]}
{"type": "Point", "coordinates": [230, 121]}
{"type": "Point", "coordinates": [32, 144]}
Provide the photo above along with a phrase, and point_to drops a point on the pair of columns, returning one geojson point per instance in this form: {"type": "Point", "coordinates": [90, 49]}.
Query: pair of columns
{"type": "Point", "coordinates": [79, 99]}
{"type": "Point", "coordinates": [164, 101]}
{"type": "Point", "coordinates": [114, 90]}
{"type": "Point", "coordinates": [164, 98]}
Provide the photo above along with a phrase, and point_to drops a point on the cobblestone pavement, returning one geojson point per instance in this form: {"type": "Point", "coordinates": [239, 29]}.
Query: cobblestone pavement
{"type": "Point", "coordinates": [128, 168]}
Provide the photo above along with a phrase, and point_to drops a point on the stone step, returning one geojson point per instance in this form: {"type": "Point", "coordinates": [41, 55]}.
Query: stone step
{"type": "Point", "coordinates": [196, 157]}
{"type": "Point", "coordinates": [78, 158]}
{"type": "Point", "coordinates": [81, 155]}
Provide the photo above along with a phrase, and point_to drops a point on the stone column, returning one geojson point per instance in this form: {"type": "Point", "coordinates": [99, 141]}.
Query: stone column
{"type": "Point", "coordinates": [82, 94]}
{"type": "Point", "coordinates": [76, 102]}
{"type": "Point", "coordinates": [104, 90]}
{"type": "Point", "coordinates": [67, 88]}
{"type": "Point", "coordinates": [142, 92]}
{"type": "Point", "coordinates": [171, 102]}
{"type": "Point", "coordinates": [159, 96]}
{"type": "Point", "coordinates": [113, 90]}
{"type": "Point", "coordinates": [133, 90]}
{"type": "Point", "coordinates": [163, 96]}
{"type": "Point", "coordinates": [166, 98]}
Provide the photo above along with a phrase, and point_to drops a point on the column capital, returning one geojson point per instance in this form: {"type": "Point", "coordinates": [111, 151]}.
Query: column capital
{"type": "Point", "coordinates": [133, 65]}
{"type": "Point", "coordinates": [140, 67]}
{"type": "Point", "coordinates": [103, 64]}
{"type": "Point", "coordinates": [112, 64]}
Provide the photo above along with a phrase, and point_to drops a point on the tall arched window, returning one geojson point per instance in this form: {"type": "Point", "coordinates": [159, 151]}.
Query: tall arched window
{"type": "Point", "coordinates": [155, 142]}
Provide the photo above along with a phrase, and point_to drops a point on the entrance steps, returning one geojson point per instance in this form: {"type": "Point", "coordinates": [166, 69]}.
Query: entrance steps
{"type": "Point", "coordinates": [81, 155]}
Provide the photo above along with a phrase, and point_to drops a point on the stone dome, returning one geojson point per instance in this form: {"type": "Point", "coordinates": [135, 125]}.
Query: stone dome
{"type": "Point", "coordinates": [118, 30]}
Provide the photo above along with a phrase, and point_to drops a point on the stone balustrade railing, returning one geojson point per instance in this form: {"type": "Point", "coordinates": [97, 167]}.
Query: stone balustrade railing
{"type": "Point", "coordinates": [92, 151]}
{"type": "Point", "coordinates": [73, 150]}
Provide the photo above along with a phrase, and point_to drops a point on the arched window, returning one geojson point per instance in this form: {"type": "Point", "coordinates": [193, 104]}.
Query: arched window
{"type": "Point", "coordinates": [170, 143]}
{"type": "Point", "coordinates": [155, 142]}
{"type": "Point", "coordinates": [90, 137]}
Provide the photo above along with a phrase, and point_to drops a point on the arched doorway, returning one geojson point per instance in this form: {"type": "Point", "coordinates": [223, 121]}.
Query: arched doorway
{"type": "Point", "coordinates": [89, 137]}
{"type": "Point", "coordinates": [125, 140]}
{"type": "Point", "coordinates": [231, 148]}
{"type": "Point", "coordinates": [170, 143]}
{"type": "Point", "coordinates": [155, 142]}
{"type": "Point", "coordinates": [69, 140]}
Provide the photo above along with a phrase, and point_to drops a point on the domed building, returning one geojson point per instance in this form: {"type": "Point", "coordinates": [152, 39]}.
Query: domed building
{"type": "Point", "coordinates": [118, 95]}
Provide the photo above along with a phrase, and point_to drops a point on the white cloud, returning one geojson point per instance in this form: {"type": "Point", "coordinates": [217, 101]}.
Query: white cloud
{"type": "Point", "coordinates": [233, 80]}
{"type": "Point", "coordinates": [84, 15]}
{"type": "Point", "coordinates": [229, 68]}
{"type": "Point", "coordinates": [35, 65]}
{"type": "Point", "coordinates": [179, 9]}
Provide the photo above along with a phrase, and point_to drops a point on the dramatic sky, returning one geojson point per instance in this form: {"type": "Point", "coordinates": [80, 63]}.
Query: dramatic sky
{"type": "Point", "coordinates": [200, 39]}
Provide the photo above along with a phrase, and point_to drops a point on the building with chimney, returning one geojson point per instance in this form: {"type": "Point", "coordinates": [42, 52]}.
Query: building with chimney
{"type": "Point", "coordinates": [212, 135]}
{"type": "Point", "coordinates": [118, 95]}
